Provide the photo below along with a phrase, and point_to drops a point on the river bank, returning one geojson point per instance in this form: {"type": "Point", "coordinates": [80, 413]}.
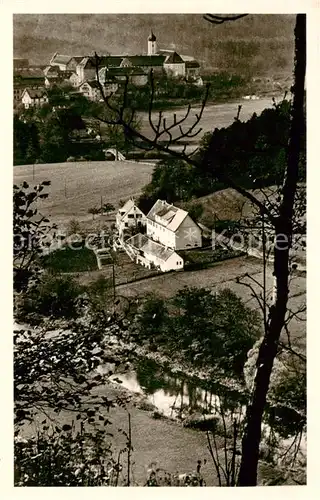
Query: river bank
{"type": "Point", "coordinates": [159, 440]}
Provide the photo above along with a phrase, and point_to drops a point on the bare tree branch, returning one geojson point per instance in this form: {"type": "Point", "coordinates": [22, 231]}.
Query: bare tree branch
{"type": "Point", "coordinates": [218, 19]}
{"type": "Point", "coordinates": [292, 351]}
{"type": "Point", "coordinates": [132, 133]}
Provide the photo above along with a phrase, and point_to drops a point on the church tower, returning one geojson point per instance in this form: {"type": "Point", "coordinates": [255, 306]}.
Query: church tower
{"type": "Point", "coordinates": [152, 44]}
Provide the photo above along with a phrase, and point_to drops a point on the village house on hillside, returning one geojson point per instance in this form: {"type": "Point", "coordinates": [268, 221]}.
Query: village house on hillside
{"type": "Point", "coordinates": [91, 90]}
{"type": "Point", "coordinates": [129, 216]}
{"type": "Point", "coordinates": [31, 78]}
{"type": "Point", "coordinates": [34, 97]}
{"type": "Point", "coordinates": [149, 253]}
{"type": "Point", "coordinates": [168, 230]}
{"type": "Point", "coordinates": [173, 227]}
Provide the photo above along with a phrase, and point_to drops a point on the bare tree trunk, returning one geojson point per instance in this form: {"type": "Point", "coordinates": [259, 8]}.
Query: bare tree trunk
{"type": "Point", "coordinates": [283, 234]}
{"type": "Point", "coordinates": [282, 223]}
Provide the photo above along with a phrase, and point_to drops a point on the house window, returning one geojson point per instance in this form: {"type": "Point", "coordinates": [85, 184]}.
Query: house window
{"type": "Point", "coordinates": [125, 224]}
{"type": "Point", "coordinates": [130, 216]}
{"type": "Point", "coordinates": [139, 216]}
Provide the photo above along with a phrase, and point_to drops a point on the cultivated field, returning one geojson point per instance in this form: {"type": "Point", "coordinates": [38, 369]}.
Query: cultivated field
{"type": "Point", "coordinates": [78, 186]}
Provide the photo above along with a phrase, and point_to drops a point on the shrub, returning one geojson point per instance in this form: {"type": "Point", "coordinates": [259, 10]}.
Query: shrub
{"type": "Point", "coordinates": [73, 227]}
{"type": "Point", "coordinates": [100, 292]}
{"type": "Point", "coordinates": [55, 296]}
{"type": "Point", "coordinates": [151, 154]}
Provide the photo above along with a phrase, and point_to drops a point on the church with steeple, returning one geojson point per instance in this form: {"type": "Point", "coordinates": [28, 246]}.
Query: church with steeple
{"type": "Point", "coordinates": [174, 64]}
{"type": "Point", "coordinates": [114, 69]}
{"type": "Point", "coordinates": [152, 44]}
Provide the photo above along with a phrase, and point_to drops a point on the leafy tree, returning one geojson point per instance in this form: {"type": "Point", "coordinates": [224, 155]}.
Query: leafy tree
{"type": "Point", "coordinates": [26, 148]}
{"type": "Point", "coordinates": [55, 134]}
{"type": "Point", "coordinates": [280, 216]}
{"type": "Point", "coordinates": [100, 292]}
{"type": "Point", "coordinates": [171, 180]}
{"type": "Point", "coordinates": [152, 320]}
{"type": "Point", "coordinates": [55, 296]}
{"type": "Point", "coordinates": [211, 331]}
{"type": "Point", "coordinates": [286, 402]}
{"type": "Point", "coordinates": [195, 210]}
{"type": "Point", "coordinates": [55, 385]}
{"type": "Point", "coordinates": [74, 227]}
{"type": "Point", "coordinates": [64, 457]}
{"type": "Point", "coordinates": [252, 153]}
{"type": "Point", "coordinates": [107, 207]}
{"type": "Point", "coordinates": [217, 330]}
{"type": "Point", "coordinates": [53, 141]}
{"type": "Point", "coordinates": [29, 231]}
{"type": "Point", "coordinates": [94, 211]}
{"type": "Point", "coordinates": [55, 377]}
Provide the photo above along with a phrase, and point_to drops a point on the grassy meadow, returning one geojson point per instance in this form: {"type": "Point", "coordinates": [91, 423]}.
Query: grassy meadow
{"type": "Point", "coordinates": [79, 186]}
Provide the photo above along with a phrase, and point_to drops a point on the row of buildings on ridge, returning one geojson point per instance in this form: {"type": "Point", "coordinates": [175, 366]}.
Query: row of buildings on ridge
{"type": "Point", "coordinates": [80, 72]}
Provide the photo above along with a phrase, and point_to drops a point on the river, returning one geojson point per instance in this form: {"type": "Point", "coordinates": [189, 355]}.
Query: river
{"type": "Point", "coordinates": [174, 395]}
{"type": "Point", "coordinates": [181, 397]}
{"type": "Point", "coordinates": [214, 116]}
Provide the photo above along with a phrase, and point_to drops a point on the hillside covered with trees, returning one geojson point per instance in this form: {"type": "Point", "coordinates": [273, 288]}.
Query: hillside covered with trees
{"type": "Point", "coordinates": [257, 44]}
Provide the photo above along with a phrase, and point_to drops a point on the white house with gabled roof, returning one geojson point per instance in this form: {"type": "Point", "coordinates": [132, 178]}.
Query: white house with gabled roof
{"type": "Point", "coordinates": [173, 227]}
{"type": "Point", "coordinates": [169, 229]}
{"type": "Point", "coordinates": [34, 97]}
{"type": "Point", "coordinates": [129, 216]}
{"type": "Point", "coordinates": [150, 253]}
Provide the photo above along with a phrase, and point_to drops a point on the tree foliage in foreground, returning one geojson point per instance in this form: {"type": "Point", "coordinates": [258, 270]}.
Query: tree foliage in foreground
{"type": "Point", "coordinates": [280, 216]}
{"type": "Point", "coordinates": [30, 230]}
{"type": "Point", "coordinates": [58, 396]}
{"type": "Point", "coordinates": [208, 330]}
{"type": "Point", "coordinates": [286, 403]}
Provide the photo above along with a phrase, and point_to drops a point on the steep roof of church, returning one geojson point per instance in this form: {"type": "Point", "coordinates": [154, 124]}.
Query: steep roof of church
{"type": "Point", "coordinates": [129, 70]}
{"type": "Point", "coordinates": [110, 61]}
{"type": "Point", "coordinates": [153, 60]}
{"type": "Point", "coordinates": [174, 58]}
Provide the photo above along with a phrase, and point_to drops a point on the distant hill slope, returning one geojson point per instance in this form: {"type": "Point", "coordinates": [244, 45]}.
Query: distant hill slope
{"type": "Point", "coordinates": [261, 43]}
{"type": "Point", "coordinates": [228, 204]}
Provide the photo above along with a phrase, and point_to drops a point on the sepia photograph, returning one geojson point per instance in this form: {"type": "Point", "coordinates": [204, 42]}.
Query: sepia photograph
{"type": "Point", "coordinates": [159, 249]}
